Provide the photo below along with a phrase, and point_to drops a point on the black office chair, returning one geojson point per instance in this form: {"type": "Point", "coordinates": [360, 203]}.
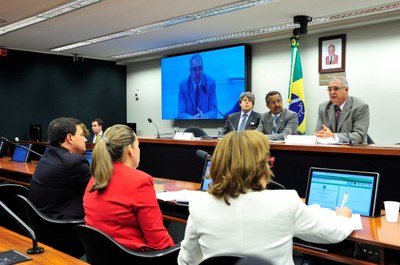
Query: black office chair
{"type": "Point", "coordinates": [235, 259]}
{"type": "Point", "coordinates": [197, 131]}
{"type": "Point", "coordinates": [8, 194]}
{"type": "Point", "coordinates": [52, 232]}
{"type": "Point", "coordinates": [103, 249]}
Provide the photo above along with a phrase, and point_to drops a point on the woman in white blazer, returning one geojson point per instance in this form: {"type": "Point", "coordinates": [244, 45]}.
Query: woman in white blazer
{"type": "Point", "coordinates": [238, 215]}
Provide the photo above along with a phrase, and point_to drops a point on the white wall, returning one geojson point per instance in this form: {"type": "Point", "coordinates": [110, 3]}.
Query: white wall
{"type": "Point", "coordinates": [372, 69]}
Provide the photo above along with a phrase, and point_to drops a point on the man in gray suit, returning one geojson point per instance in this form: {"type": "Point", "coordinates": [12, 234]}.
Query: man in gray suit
{"type": "Point", "coordinates": [246, 119]}
{"type": "Point", "coordinates": [278, 119]}
{"type": "Point", "coordinates": [344, 118]}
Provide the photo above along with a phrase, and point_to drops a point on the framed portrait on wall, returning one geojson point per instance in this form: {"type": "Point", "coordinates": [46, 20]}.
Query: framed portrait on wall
{"type": "Point", "coordinates": [332, 55]}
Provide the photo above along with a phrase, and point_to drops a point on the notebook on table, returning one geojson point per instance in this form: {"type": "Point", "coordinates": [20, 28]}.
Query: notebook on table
{"type": "Point", "coordinates": [205, 180]}
{"type": "Point", "coordinates": [21, 153]}
{"type": "Point", "coordinates": [331, 188]}
{"type": "Point", "coordinates": [328, 187]}
{"type": "Point", "coordinates": [88, 155]}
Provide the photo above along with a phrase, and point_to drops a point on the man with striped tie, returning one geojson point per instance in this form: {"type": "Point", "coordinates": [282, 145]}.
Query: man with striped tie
{"type": "Point", "coordinates": [97, 129]}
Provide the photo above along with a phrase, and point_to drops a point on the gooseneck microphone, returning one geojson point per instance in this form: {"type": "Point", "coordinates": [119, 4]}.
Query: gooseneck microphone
{"type": "Point", "coordinates": [151, 121]}
{"type": "Point", "coordinates": [35, 248]}
{"type": "Point", "coordinates": [202, 154]}
{"type": "Point", "coordinates": [228, 119]}
{"type": "Point", "coordinates": [348, 137]}
{"type": "Point", "coordinates": [4, 139]}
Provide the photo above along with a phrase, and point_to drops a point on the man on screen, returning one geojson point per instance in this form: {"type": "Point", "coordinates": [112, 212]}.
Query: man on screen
{"type": "Point", "coordinates": [197, 97]}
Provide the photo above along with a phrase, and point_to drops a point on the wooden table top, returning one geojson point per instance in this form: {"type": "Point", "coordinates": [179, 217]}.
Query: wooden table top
{"type": "Point", "coordinates": [10, 240]}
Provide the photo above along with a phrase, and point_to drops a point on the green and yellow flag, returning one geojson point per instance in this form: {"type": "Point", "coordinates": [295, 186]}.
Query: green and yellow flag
{"type": "Point", "coordinates": [296, 98]}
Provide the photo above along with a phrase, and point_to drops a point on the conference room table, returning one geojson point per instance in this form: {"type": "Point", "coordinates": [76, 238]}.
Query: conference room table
{"type": "Point", "coordinates": [10, 240]}
{"type": "Point", "coordinates": [174, 165]}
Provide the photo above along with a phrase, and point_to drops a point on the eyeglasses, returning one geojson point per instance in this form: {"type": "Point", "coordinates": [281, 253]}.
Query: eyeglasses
{"type": "Point", "coordinates": [271, 161]}
{"type": "Point", "coordinates": [334, 88]}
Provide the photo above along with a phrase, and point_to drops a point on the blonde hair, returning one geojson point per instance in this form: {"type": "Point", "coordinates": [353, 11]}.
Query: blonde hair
{"type": "Point", "coordinates": [239, 163]}
{"type": "Point", "coordinates": [108, 150]}
{"type": "Point", "coordinates": [84, 129]}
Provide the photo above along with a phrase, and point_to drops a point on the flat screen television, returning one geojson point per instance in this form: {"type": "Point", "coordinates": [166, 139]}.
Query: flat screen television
{"type": "Point", "coordinates": [204, 84]}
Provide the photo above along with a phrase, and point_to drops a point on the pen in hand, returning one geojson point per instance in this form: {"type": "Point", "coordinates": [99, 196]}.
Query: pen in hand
{"type": "Point", "coordinates": [344, 200]}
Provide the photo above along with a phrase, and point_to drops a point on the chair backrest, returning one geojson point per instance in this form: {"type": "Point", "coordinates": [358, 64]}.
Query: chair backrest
{"type": "Point", "coordinates": [7, 196]}
{"type": "Point", "coordinates": [197, 131]}
{"type": "Point", "coordinates": [52, 232]}
{"type": "Point", "coordinates": [103, 249]}
{"type": "Point", "coordinates": [369, 140]}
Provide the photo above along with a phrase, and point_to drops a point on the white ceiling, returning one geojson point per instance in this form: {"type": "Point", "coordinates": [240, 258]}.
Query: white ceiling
{"type": "Point", "coordinates": [111, 16]}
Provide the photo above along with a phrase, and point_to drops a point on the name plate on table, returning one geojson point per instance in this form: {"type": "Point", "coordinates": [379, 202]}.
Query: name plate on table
{"type": "Point", "coordinates": [301, 139]}
{"type": "Point", "coordinates": [183, 136]}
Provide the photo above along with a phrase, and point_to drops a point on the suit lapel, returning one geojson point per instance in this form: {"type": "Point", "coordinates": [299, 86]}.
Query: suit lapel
{"type": "Point", "coordinates": [346, 111]}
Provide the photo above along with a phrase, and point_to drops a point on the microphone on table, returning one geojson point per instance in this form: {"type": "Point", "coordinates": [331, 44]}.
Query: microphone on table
{"type": "Point", "coordinates": [4, 139]}
{"type": "Point", "coordinates": [151, 121]}
{"type": "Point", "coordinates": [202, 154]}
{"type": "Point", "coordinates": [35, 248]}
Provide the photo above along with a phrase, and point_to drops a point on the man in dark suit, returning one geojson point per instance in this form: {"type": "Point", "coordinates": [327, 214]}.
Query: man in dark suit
{"type": "Point", "coordinates": [62, 174]}
{"type": "Point", "coordinates": [197, 97]}
{"type": "Point", "coordinates": [97, 131]}
{"type": "Point", "coordinates": [344, 118]}
{"type": "Point", "coordinates": [246, 119]}
{"type": "Point", "coordinates": [278, 119]}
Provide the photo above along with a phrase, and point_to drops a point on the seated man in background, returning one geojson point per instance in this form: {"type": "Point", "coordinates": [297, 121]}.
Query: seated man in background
{"type": "Point", "coordinates": [278, 118]}
{"type": "Point", "coordinates": [344, 118]}
{"type": "Point", "coordinates": [246, 119]}
{"type": "Point", "coordinates": [61, 176]}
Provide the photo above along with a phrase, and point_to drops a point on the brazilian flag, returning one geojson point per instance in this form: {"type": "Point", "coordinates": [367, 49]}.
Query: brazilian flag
{"type": "Point", "coordinates": [296, 98]}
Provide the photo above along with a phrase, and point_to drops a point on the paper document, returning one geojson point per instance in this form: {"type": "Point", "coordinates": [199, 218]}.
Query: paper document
{"type": "Point", "coordinates": [182, 196]}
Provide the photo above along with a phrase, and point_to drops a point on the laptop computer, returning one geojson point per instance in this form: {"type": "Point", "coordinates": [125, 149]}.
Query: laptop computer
{"type": "Point", "coordinates": [21, 153]}
{"type": "Point", "coordinates": [88, 155]}
{"type": "Point", "coordinates": [205, 180]}
{"type": "Point", "coordinates": [330, 187]}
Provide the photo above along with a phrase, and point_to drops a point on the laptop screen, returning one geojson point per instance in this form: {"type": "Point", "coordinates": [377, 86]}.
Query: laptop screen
{"type": "Point", "coordinates": [20, 153]}
{"type": "Point", "coordinates": [88, 155]}
{"type": "Point", "coordinates": [206, 182]}
{"type": "Point", "coordinates": [329, 187]}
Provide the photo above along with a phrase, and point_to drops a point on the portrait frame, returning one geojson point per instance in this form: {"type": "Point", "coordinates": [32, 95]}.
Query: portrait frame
{"type": "Point", "coordinates": [335, 62]}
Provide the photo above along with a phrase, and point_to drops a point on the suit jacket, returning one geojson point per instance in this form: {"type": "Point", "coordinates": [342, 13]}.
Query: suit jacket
{"type": "Point", "coordinates": [59, 182]}
{"type": "Point", "coordinates": [288, 119]}
{"type": "Point", "coordinates": [251, 124]}
{"type": "Point", "coordinates": [92, 136]}
{"type": "Point", "coordinates": [262, 222]}
{"type": "Point", "coordinates": [127, 210]}
{"type": "Point", "coordinates": [334, 61]}
{"type": "Point", "coordinates": [353, 123]}
{"type": "Point", "coordinates": [207, 98]}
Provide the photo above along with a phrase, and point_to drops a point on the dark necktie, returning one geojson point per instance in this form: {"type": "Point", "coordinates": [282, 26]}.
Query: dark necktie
{"type": "Point", "coordinates": [243, 124]}
{"type": "Point", "coordinates": [331, 60]}
{"type": "Point", "coordinates": [338, 112]}
{"type": "Point", "coordinates": [197, 96]}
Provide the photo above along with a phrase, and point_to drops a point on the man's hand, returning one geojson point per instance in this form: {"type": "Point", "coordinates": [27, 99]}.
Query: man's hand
{"type": "Point", "coordinates": [325, 132]}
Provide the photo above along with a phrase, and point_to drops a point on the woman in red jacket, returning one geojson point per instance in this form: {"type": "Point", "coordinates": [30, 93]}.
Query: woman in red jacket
{"type": "Point", "coordinates": [120, 200]}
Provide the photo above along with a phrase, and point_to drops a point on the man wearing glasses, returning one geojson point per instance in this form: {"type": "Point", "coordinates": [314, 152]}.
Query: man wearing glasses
{"type": "Point", "coordinates": [277, 119]}
{"type": "Point", "coordinates": [197, 97]}
{"type": "Point", "coordinates": [343, 118]}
